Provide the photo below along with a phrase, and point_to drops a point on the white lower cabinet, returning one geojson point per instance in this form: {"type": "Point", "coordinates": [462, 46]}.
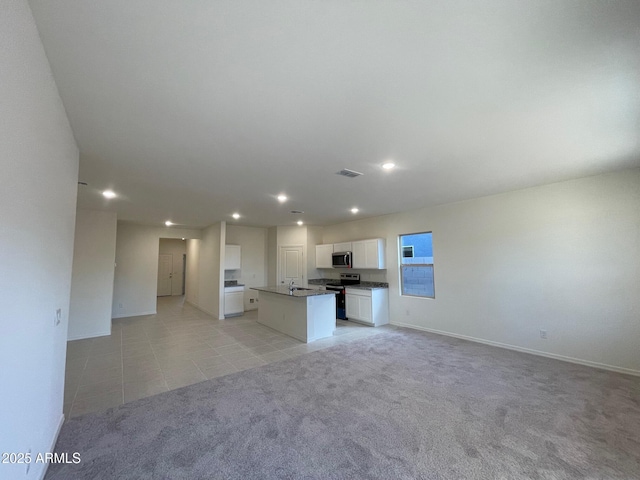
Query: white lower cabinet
{"type": "Point", "coordinates": [233, 301]}
{"type": "Point", "coordinates": [370, 307]}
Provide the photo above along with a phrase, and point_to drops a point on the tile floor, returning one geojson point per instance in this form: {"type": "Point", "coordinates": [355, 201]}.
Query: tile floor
{"type": "Point", "coordinates": [178, 346]}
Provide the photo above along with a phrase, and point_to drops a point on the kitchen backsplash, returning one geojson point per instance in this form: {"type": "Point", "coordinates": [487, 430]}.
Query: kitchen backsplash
{"type": "Point", "coordinates": [365, 275]}
{"type": "Point", "coordinates": [231, 274]}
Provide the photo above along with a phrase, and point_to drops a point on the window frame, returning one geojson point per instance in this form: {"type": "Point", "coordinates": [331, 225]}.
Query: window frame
{"type": "Point", "coordinates": [400, 265]}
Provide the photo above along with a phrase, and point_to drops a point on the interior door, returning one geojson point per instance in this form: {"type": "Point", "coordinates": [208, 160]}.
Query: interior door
{"type": "Point", "coordinates": [291, 265]}
{"type": "Point", "coordinates": [165, 274]}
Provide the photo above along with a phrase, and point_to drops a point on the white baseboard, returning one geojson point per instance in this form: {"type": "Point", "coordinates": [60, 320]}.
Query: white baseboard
{"type": "Point", "coordinates": [564, 358]}
{"type": "Point", "coordinates": [137, 314]}
{"type": "Point", "coordinates": [52, 446]}
{"type": "Point", "coordinates": [93, 335]}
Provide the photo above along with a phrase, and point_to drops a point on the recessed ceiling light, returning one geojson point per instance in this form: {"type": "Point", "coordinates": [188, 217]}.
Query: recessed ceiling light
{"type": "Point", "coordinates": [236, 216]}
{"type": "Point", "coordinates": [109, 194]}
{"type": "Point", "coordinates": [183, 239]}
{"type": "Point", "coordinates": [300, 222]}
{"type": "Point", "coordinates": [282, 198]}
{"type": "Point", "coordinates": [168, 223]}
{"type": "Point", "coordinates": [355, 210]}
{"type": "Point", "coordinates": [388, 165]}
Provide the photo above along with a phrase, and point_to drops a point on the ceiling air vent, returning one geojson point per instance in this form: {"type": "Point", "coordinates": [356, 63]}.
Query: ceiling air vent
{"type": "Point", "coordinates": [296, 211]}
{"type": "Point", "coordinates": [345, 172]}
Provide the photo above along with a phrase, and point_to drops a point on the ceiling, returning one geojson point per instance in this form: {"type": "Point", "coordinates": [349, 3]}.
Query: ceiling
{"type": "Point", "coordinates": [191, 110]}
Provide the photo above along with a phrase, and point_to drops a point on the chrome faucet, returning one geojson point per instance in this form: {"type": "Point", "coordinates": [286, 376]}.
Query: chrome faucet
{"type": "Point", "coordinates": [291, 286]}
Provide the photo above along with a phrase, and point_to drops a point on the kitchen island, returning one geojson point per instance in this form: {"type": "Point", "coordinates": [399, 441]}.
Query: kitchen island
{"type": "Point", "coordinates": [304, 314]}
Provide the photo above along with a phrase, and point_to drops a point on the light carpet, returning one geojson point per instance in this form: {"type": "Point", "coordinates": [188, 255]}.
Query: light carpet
{"type": "Point", "coordinates": [398, 405]}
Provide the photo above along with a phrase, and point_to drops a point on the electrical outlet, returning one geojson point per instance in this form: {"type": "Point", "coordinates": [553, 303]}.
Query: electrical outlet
{"type": "Point", "coordinates": [251, 300]}
{"type": "Point", "coordinates": [119, 305]}
{"type": "Point", "coordinates": [56, 322]}
{"type": "Point", "coordinates": [543, 334]}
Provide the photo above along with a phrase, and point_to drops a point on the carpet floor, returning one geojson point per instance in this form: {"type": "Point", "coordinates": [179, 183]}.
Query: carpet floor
{"type": "Point", "coordinates": [399, 405]}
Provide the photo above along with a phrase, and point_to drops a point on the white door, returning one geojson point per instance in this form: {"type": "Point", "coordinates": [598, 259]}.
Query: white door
{"type": "Point", "coordinates": [291, 265]}
{"type": "Point", "coordinates": [165, 274]}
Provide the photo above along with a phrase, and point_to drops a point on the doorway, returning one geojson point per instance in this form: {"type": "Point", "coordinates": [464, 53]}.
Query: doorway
{"type": "Point", "coordinates": [171, 267]}
{"type": "Point", "coordinates": [291, 265]}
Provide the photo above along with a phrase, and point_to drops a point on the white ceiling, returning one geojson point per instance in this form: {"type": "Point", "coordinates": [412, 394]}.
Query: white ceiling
{"type": "Point", "coordinates": [194, 109]}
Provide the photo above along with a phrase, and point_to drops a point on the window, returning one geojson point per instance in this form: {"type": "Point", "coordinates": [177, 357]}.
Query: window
{"type": "Point", "coordinates": [416, 265]}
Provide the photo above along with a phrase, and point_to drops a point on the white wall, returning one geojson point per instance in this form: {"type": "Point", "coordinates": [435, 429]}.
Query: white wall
{"type": "Point", "coordinates": [176, 248]}
{"type": "Point", "coordinates": [94, 255]}
{"type": "Point", "coordinates": [314, 237]}
{"type": "Point", "coordinates": [136, 274]}
{"type": "Point", "coordinates": [272, 256]}
{"type": "Point", "coordinates": [210, 271]}
{"type": "Point", "coordinates": [253, 272]}
{"type": "Point", "coordinates": [562, 257]}
{"type": "Point", "coordinates": [39, 165]}
{"type": "Point", "coordinates": [192, 289]}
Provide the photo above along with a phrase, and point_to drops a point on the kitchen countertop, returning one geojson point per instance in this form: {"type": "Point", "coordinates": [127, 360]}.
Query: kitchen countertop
{"type": "Point", "coordinates": [284, 290]}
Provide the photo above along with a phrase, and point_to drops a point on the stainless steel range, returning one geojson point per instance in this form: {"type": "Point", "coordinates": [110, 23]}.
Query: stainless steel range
{"type": "Point", "coordinates": [345, 280]}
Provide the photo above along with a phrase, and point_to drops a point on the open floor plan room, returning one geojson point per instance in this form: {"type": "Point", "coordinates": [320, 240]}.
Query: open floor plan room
{"type": "Point", "coordinates": [302, 239]}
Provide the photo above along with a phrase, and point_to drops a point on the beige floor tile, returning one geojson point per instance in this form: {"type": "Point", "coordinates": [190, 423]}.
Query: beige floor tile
{"type": "Point", "coordinates": [179, 381]}
{"type": "Point", "coordinates": [222, 341]}
{"type": "Point", "coordinates": [99, 388]}
{"type": "Point", "coordinates": [77, 350]}
{"type": "Point", "coordinates": [141, 389]}
{"type": "Point", "coordinates": [97, 373]}
{"type": "Point", "coordinates": [248, 363]}
{"type": "Point", "coordinates": [283, 344]}
{"type": "Point", "coordinates": [251, 342]}
{"type": "Point", "coordinates": [262, 349]}
{"type": "Point", "coordinates": [149, 375]}
{"type": "Point", "coordinates": [96, 404]}
{"type": "Point", "coordinates": [274, 356]}
{"type": "Point", "coordinates": [210, 362]}
{"type": "Point", "coordinates": [177, 371]}
{"type": "Point", "coordinates": [141, 363]}
{"type": "Point", "coordinates": [236, 356]}
{"type": "Point", "coordinates": [227, 349]}
{"type": "Point", "coordinates": [201, 354]}
{"type": "Point", "coordinates": [219, 371]}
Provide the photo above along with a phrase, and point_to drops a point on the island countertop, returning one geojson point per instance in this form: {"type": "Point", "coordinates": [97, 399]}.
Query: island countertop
{"type": "Point", "coordinates": [300, 293]}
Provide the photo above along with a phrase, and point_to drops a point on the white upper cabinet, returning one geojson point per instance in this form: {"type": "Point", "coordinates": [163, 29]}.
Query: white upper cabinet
{"type": "Point", "coordinates": [369, 254]}
{"type": "Point", "coordinates": [342, 247]}
{"type": "Point", "coordinates": [323, 256]}
{"type": "Point", "coordinates": [232, 257]}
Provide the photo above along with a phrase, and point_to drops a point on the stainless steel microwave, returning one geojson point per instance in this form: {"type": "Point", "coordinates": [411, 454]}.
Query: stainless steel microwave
{"type": "Point", "coordinates": [341, 259]}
